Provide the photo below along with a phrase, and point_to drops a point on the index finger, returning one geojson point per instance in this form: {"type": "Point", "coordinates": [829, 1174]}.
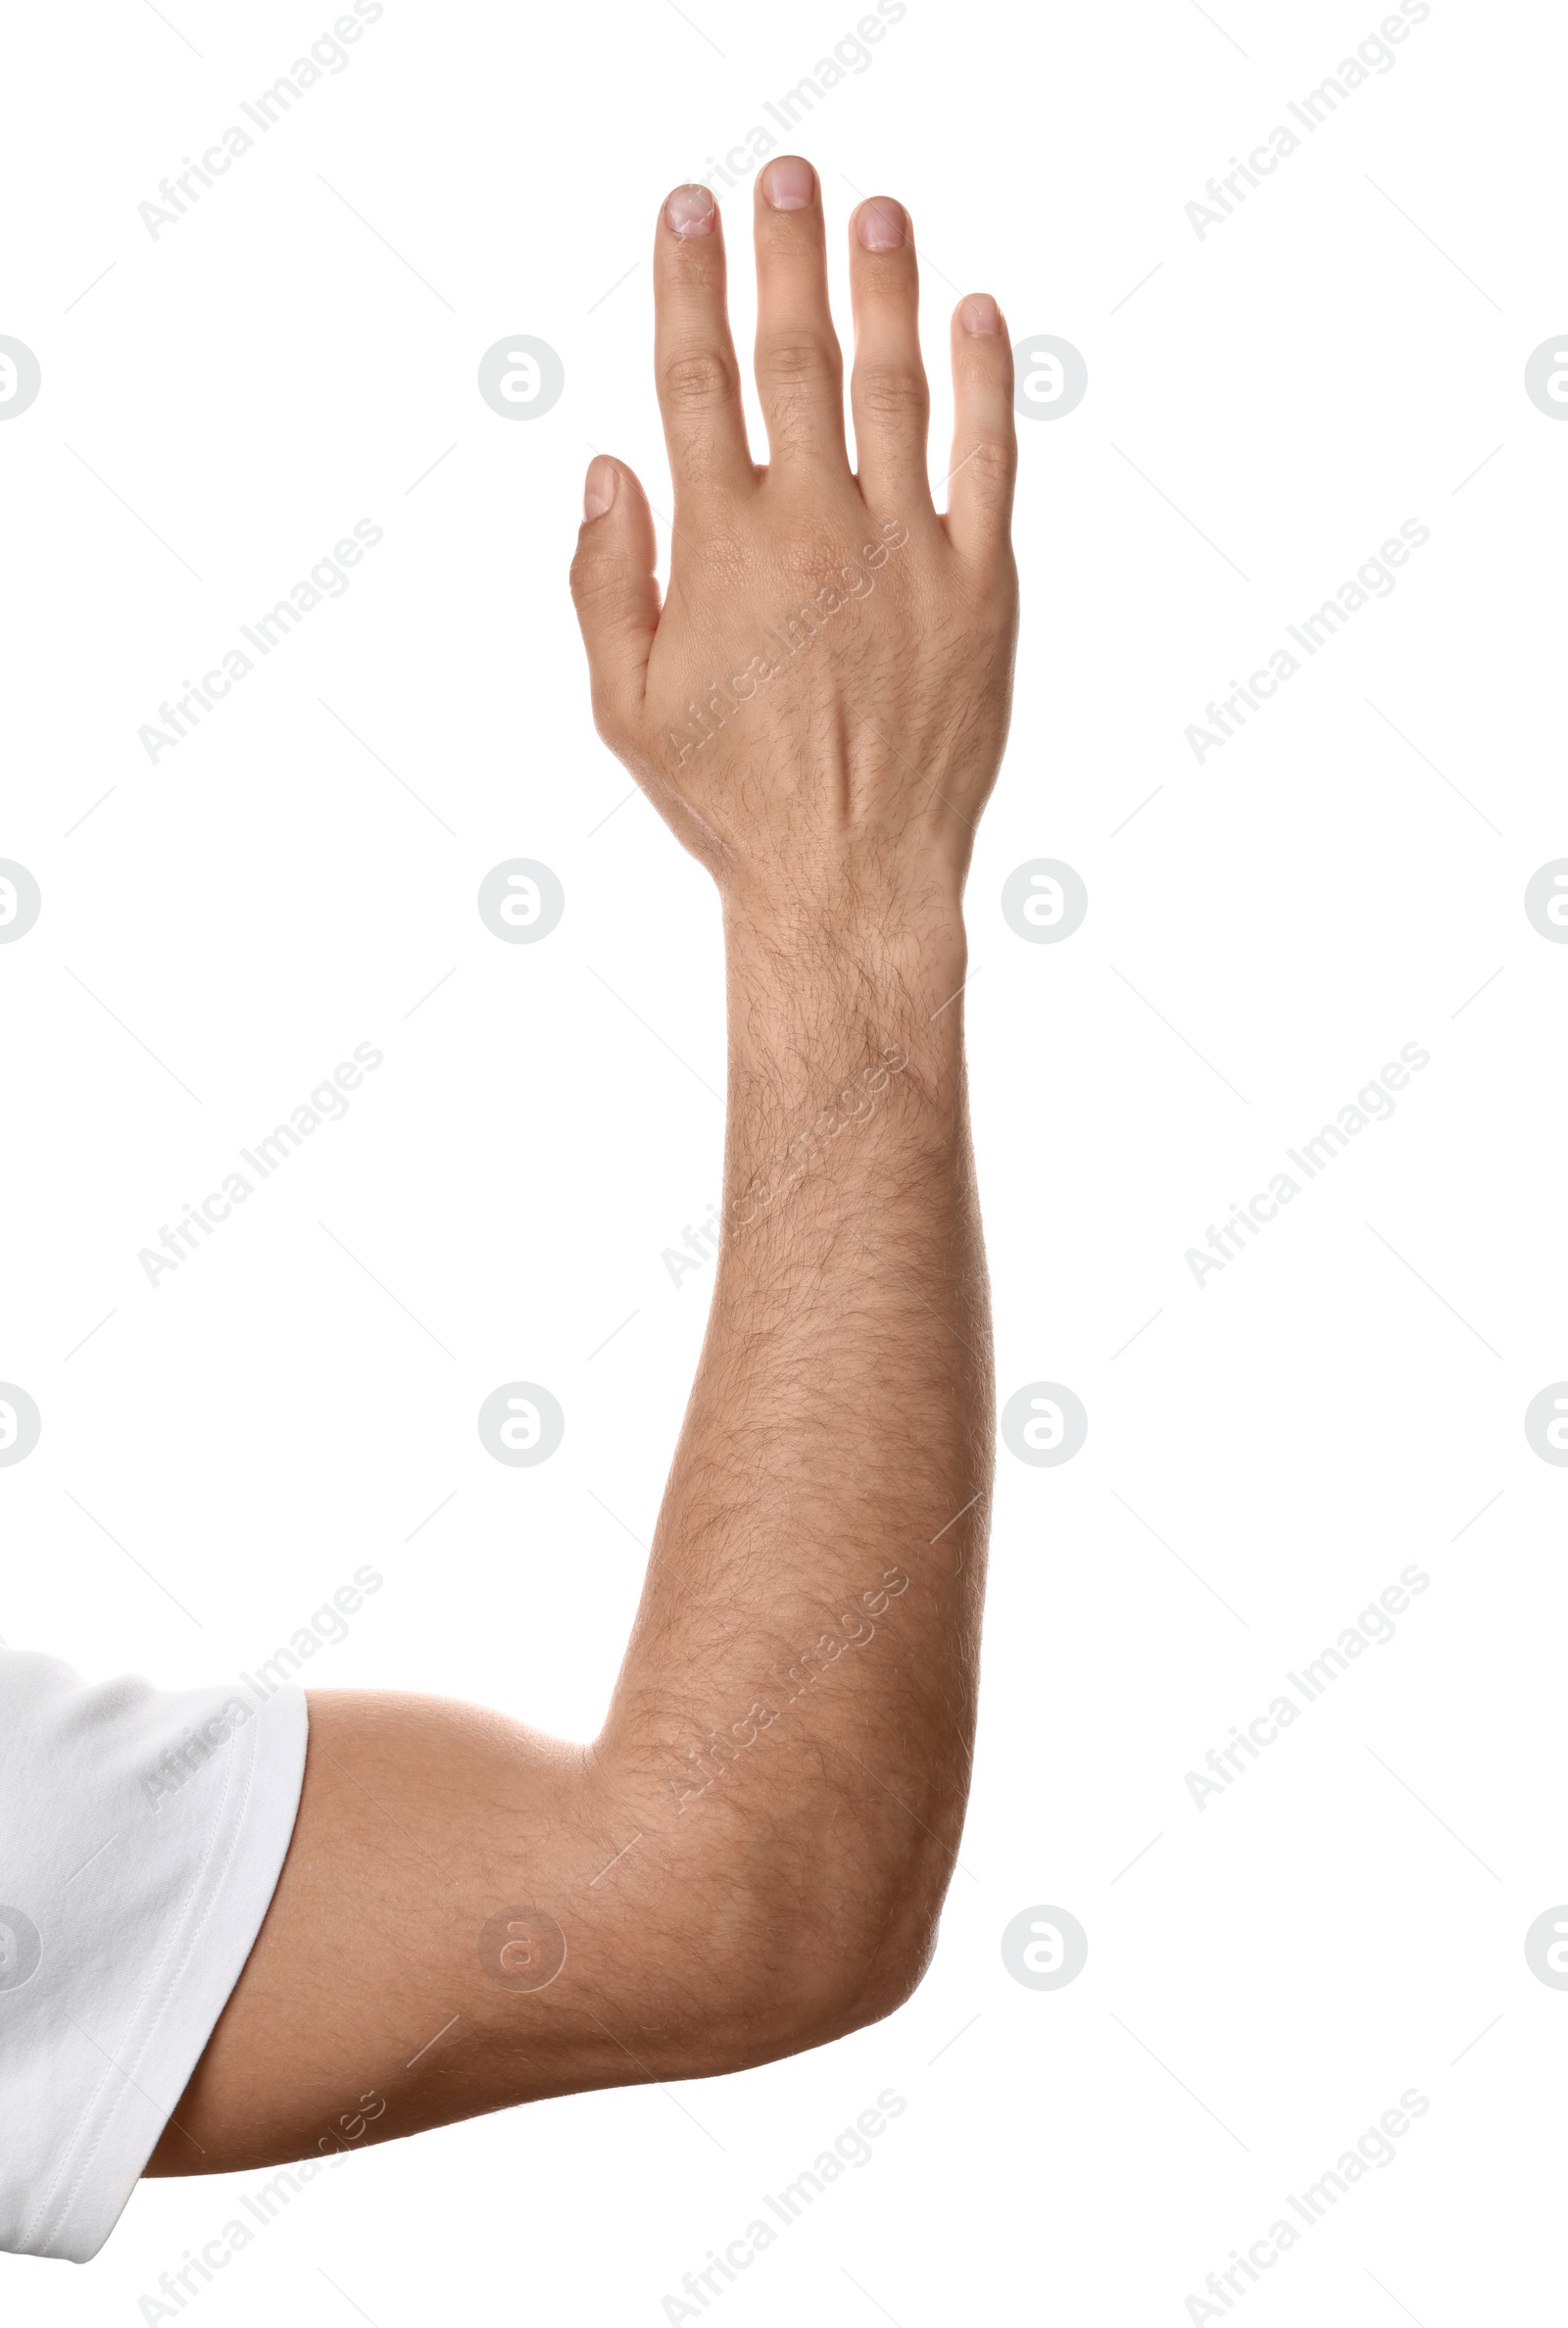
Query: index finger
{"type": "Point", "coordinates": [694, 356]}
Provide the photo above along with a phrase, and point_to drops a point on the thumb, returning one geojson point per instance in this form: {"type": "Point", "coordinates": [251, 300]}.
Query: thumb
{"type": "Point", "coordinates": [615, 592]}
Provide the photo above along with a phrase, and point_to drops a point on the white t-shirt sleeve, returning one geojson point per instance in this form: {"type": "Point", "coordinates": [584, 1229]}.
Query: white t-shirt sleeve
{"type": "Point", "coordinates": [142, 1833]}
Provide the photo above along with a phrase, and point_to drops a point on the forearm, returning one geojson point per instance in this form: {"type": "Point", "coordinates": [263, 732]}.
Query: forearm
{"type": "Point", "coordinates": [798, 1698]}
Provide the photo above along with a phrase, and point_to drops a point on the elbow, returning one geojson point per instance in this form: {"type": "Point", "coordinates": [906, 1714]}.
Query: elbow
{"type": "Point", "coordinates": [822, 1977]}
{"type": "Point", "coordinates": [775, 1939]}
{"type": "Point", "coordinates": [866, 1986]}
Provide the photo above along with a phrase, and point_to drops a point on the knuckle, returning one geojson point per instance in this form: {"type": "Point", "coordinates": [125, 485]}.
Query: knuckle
{"type": "Point", "coordinates": [891, 391]}
{"type": "Point", "coordinates": [990, 467]}
{"type": "Point", "coordinates": [608, 723]}
{"type": "Point", "coordinates": [696, 381]}
{"type": "Point", "coordinates": [615, 707]}
{"type": "Point", "coordinates": [594, 576]}
{"type": "Point", "coordinates": [728, 559]}
{"type": "Point", "coordinates": [796, 363]}
{"type": "Point", "coordinates": [808, 557]}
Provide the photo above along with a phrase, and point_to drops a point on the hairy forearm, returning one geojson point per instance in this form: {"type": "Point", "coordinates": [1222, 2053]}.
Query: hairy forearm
{"type": "Point", "coordinates": [798, 1697]}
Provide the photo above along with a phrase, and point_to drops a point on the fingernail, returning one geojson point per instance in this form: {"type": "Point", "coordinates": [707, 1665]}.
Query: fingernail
{"type": "Point", "coordinates": [788, 183]}
{"type": "Point", "coordinates": [979, 314]}
{"type": "Point", "coordinates": [598, 487]}
{"type": "Point", "coordinates": [688, 212]}
{"type": "Point", "coordinates": [881, 225]}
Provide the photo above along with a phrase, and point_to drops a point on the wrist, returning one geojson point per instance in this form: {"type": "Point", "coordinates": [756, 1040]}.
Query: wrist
{"type": "Point", "coordinates": [845, 1035]}
{"type": "Point", "coordinates": [850, 959]}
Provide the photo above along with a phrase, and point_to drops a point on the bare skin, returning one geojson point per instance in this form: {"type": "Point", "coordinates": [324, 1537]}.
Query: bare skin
{"type": "Point", "coordinates": [751, 1857]}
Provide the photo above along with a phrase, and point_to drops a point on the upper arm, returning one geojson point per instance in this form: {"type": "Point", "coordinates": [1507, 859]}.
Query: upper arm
{"type": "Point", "coordinates": [468, 1916]}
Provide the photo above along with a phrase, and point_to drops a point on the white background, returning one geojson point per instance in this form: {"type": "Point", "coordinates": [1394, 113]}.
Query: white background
{"type": "Point", "coordinates": [1264, 409]}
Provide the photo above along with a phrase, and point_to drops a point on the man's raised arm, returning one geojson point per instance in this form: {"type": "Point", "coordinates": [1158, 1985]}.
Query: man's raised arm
{"type": "Point", "coordinates": [751, 1857]}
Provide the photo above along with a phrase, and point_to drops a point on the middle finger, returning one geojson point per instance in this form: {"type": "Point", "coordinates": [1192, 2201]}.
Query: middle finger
{"type": "Point", "coordinates": [799, 371]}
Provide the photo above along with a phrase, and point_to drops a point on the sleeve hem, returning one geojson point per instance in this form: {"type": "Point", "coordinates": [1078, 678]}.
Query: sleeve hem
{"type": "Point", "coordinates": [209, 1935]}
